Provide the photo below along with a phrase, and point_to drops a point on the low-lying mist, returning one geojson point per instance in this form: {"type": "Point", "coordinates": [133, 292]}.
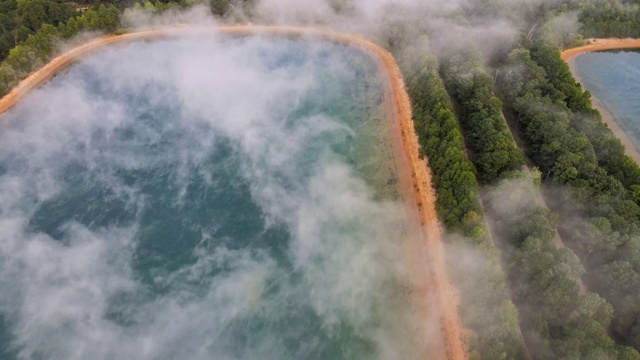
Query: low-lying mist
{"type": "Point", "coordinates": [204, 199]}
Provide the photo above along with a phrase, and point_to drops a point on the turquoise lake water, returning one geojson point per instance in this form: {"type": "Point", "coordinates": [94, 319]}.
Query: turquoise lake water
{"type": "Point", "coordinates": [614, 78]}
{"type": "Point", "coordinates": [203, 198]}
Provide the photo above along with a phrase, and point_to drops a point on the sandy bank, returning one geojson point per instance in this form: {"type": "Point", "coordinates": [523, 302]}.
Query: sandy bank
{"type": "Point", "coordinates": [427, 256]}
{"type": "Point", "coordinates": [601, 44]}
{"type": "Point", "coordinates": [631, 148]}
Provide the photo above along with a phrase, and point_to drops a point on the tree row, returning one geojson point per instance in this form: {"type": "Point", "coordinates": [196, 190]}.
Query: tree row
{"type": "Point", "coordinates": [598, 214]}
{"type": "Point", "coordinates": [557, 321]}
{"type": "Point", "coordinates": [485, 306]}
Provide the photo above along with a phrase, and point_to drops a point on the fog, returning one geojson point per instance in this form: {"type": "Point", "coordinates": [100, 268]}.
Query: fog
{"type": "Point", "coordinates": [77, 291]}
{"type": "Point", "coordinates": [73, 288]}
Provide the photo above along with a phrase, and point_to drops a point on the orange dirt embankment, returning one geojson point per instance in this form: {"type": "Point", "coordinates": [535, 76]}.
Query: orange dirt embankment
{"type": "Point", "coordinates": [431, 254]}
{"type": "Point", "coordinates": [601, 44]}
{"type": "Point", "coordinates": [631, 147]}
{"type": "Point", "coordinates": [428, 256]}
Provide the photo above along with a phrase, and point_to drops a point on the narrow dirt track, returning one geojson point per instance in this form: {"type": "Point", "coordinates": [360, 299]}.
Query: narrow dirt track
{"type": "Point", "coordinates": [430, 254]}
{"type": "Point", "coordinates": [425, 196]}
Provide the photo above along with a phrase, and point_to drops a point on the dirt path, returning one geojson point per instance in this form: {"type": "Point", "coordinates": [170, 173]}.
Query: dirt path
{"type": "Point", "coordinates": [601, 44]}
{"type": "Point", "coordinates": [425, 197]}
{"type": "Point", "coordinates": [533, 28]}
{"type": "Point", "coordinates": [631, 147]}
{"type": "Point", "coordinates": [430, 255]}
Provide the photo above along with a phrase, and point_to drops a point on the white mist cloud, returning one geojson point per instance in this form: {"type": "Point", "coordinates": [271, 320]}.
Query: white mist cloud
{"type": "Point", "coordinates": [79, 294]}
{"type": "Point", "coordinates": [294, 12]}
{"type": "Point", "coordinates": [197, 15]}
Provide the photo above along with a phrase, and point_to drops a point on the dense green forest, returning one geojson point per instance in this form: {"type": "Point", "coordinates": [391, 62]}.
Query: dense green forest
{"type": "Point", "coordinates": [592, 186]}
{"type": "Point", "coordinates": [560, 142]}
{"type": "Point", "coordinates": [486, 309]}
{"type": "Point", "coordinates": [18, 20]}
{"type": "Point", "coordinates": [37, 25]}
{"type": "Point", "coordinates": [493, 150]}
{"type": "Point", "coordinates": [611, 18]}
{"type": "Point", "coordinates": [558, 319]}
{"type": "Point", "coordinates": [599, 19]}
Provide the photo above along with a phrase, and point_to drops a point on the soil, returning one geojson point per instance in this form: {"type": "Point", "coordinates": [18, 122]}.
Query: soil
{"type": "Point", "coordinates": [432, 292]}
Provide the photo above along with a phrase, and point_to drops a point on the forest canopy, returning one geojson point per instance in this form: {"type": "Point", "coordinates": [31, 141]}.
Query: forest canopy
{"type": "Point", "coordinates": [470, 105]}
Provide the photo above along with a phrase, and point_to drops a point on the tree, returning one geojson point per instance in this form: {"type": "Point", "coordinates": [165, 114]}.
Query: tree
{"type": "Point", "coordinates": [219, 7]}
{"type": "Point", "coordinates": [6, 24]}
{"type": "Point", "coordinates": [33, 13]}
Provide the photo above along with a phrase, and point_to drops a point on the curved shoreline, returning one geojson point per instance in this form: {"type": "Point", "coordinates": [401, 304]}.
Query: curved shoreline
{"type": "Point", "coordinates": [569, 56]}
{"type": "Point", "coordinates": [601, 44]}
{"type": "Point", "coordinates": [426, 255]}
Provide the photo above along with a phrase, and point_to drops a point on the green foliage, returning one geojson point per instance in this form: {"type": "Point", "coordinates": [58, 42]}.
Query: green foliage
{"type": "Point", "coordinates": [442, 142]}
{"type": "Point", "coordinates": [38, 47]}
{"type": "Point", "coordinates": [493, 150]}
{"type": "Point", "coordinates": [610, 18]}
{"type": "Point", "coordinates": [35, 13]}
{"type": "Point", "coordinates": [486, 309]}
{"type": "Point", "coordinates": [558, 74]}
{"type": "Point", "coordinates": [555, 141]}
{"type": "Point", "coordinates": [608, 149]}
{"type": "Point", "coordinates": [219, 7]}
{"type": "Point", "coordinates": [567, 140]}
{"type": "Point", "coordinates": [557, 321]}
{"type": "Point", "coordinates": [558, 27]}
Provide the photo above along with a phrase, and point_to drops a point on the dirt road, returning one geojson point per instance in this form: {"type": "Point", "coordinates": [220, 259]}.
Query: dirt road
{"type": "Point", "coordinates": [430, 254]}
{"type": "Point", "coordinates": [424, 194]}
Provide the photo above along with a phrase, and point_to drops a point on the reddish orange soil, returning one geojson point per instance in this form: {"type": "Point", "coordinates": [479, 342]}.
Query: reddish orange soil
{"type": "Point", "coordinates": [601, 44]}
{"type": "Point", "coordinates": [433, 250]}
{"type": "Point", "coordinates": [434, 292]}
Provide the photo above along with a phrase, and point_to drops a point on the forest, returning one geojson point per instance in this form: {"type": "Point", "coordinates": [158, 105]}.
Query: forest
{"type": "Point", "coordinates": [569, 308]}
{"type": "Point", "coordinates": [557, 319]}
{"type": "Point", "coordinates": [560, 268]}
{"type": "Point", "coordinates": [31, 29]}
{"type": "Point", "coordinates": [488, 311]}
{"type": "Point", "coordinates": [611, 19]}
{"type": "Point", "coordinates": [568, 141]}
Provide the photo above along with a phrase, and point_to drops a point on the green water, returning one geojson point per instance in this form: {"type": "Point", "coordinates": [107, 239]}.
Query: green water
{"type": "Point", "coordinates": [202, 198]}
